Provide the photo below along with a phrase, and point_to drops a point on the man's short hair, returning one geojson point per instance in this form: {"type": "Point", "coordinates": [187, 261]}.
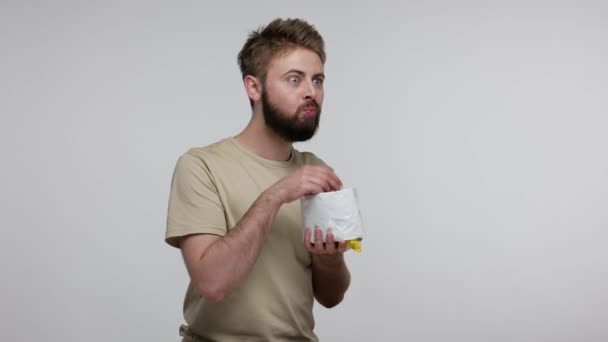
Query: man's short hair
{"type": "Point", "coordinates": [279, 36]}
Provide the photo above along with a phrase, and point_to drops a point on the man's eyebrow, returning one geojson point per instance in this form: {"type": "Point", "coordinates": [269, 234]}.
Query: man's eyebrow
{"type": "Point", "coordinates": [302, 73]}
{"type": "Point", "coordinates": [294, 71]}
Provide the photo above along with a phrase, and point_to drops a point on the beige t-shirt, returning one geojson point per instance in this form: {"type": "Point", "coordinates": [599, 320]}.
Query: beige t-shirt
{"type": "Point", "coordinates": [211, 190]}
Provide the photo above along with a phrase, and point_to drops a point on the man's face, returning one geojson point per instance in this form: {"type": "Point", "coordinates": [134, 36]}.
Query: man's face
{"type": "Point", "coordinates": [292, 94]}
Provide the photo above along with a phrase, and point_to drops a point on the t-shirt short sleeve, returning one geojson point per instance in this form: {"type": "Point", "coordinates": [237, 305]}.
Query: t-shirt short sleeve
{"type": "Point", "coordinates": [194, 203]}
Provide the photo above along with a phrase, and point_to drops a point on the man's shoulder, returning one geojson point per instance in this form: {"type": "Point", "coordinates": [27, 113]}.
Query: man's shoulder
{"type": "Point", "coordinates": [210, 158]}
{"type": "Point", "coordinates": [310, 158]}
{"type": "Point", "coordinates": [215, 150]}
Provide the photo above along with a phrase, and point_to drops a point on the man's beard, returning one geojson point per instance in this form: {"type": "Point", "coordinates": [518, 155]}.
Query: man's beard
{"type": "Point", "coordinates": [292, 128]}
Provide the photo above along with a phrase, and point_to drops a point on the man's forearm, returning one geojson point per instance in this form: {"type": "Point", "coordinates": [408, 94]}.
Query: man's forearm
{"type": "Point", "coordinates": [227, 262]}
{"type": "Point", "coordinates": [331, 279]}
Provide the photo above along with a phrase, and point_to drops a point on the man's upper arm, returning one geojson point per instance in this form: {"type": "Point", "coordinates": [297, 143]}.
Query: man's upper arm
{"type": "Point", "coordinates": [194, 203]}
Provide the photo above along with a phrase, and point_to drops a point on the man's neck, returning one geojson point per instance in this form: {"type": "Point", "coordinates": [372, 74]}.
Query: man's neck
{"type": "Point", "coordinates": [265, 143]}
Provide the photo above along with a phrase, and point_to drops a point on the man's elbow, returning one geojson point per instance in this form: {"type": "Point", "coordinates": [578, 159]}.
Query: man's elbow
{"type": "Point", "coordinates": [330, 302]}
{"type": "Point", "coordinates": [211, 293]}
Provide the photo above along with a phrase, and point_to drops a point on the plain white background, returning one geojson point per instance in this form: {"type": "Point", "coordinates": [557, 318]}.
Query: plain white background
{"type": "Point", "coordinates": [475, 132]}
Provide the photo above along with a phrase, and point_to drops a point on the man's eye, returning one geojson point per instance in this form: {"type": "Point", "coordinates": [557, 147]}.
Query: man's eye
{"type": "Point", "coordinates": [318, 81]}
{"type": "Point", "coordinates": [294, 79]}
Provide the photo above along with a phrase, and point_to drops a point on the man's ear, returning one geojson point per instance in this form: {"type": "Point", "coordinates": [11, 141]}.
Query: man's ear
{"type": "Point", "coordinates": [253, 87]}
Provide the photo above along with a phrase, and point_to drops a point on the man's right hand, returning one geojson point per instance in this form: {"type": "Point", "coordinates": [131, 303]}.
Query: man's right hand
{"type": "Point", "coordinates": [307, 180]}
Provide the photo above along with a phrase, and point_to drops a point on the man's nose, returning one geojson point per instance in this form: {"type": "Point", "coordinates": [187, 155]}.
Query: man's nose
{"type": "Point", "coordinates": [310, 91]}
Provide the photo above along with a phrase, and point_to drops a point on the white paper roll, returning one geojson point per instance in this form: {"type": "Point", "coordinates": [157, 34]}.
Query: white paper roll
{"type": "Point", "coordinates": [336, 210]}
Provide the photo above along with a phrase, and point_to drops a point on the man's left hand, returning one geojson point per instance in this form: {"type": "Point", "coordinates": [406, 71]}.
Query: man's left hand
{"type": "Point", "coordinates": [329, 247]}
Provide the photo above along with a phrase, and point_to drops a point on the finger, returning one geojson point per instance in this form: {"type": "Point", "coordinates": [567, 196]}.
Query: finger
{"type": "Point", "coordinates": [325, 177]}
{"type": "Point", "coordinates": [342, 246]}
{"type": "Point", "coordinates": [336, 180]}
{"type": "Point", "coordinates": [336, 184]}
{"type": "Point", "coordinates": [319, 240]}
{"type": "Point", "coordinates": [316, 171]}
{"type": "Point", "coordinates": [321, 182]}
{"type": "Point", "coordinates": [330, 248]}
{"type": "Point", "coordinates": [307, 234]}
{"type": "Point", "coordinates": [333, 180]}
{"type": "Point", "coordinates": [332, 183]}
{"type": "Point", "coordinates": [312, 189]}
